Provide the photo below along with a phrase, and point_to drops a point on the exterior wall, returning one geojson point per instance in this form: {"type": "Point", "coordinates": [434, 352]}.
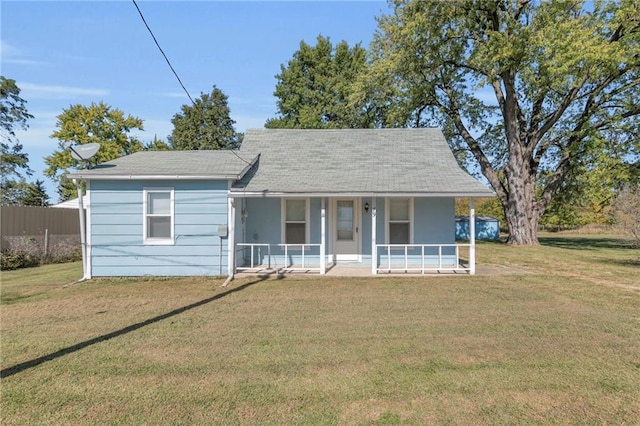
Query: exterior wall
{"type": "Point", "coordinates": [433, 224]}
{"type": "Point", "coordinates": [116, 228]}
{"type": "Point", "coordinates": [434, 220]}
{"type": "Point", "coordinates": [263, 225]}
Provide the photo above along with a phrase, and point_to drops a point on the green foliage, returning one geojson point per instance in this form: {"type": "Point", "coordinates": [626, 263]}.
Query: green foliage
{"type": "Point", "coordinates": [484, 207]}
{"type": "Point", "coordinates": [13, 109]}
{"type": "Point", "coordinates": [21, 192]}
{"type": "Point", "coordinates": [13, 116]}
{"type": "Point", "coordinates": [13, 190]}
{"type": "Point", "coordinates": [35, 195]}
{"type": "Point", "coordinates": [96, 123]}
{"type": "Point", "coordinates": [535, 93]}
{"type": "Point", "coordinates": [204, 125]}
{"type": "Point", "coordinates": [157, 145]}
{"type": "Point", "coordinates": [315, 89]}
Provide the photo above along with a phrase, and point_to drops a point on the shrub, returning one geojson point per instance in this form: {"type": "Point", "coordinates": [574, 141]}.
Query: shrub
{"type": "Point", "coordinates": [23, 252]}
{"type": "Point", "coordinates": [18, 258]}
{"type": "Point", "coordinates": [64, 254]}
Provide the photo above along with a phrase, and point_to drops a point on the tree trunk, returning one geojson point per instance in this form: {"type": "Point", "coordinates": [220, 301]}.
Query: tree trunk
{"type": "Point", "coordinates": [521, 209]}
{"type": "Point", "coordinates": [522, 222]}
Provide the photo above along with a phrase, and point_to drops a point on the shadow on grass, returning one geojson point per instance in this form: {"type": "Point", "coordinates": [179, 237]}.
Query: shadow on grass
{"type": "Point", "coordinates": [624, 262]}
{"type": "Point", "coordinates": [570, 242]}
{"type": "Point", "coordinates": [10, 371]}
{"type": "Point", "coordinates": [585, 243]}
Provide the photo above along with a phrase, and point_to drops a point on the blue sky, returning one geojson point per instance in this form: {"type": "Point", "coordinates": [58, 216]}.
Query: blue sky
{"type": "Point", "coordinates": [67, 53]}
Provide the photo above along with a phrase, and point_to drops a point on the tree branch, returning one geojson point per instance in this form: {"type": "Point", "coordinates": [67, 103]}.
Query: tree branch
{"type": "Point", "coordinates": [453, 111]}
{"type": "Point", "coordinates": [522, 5]}
{"type": "Point", "coordinates": [553, 118]}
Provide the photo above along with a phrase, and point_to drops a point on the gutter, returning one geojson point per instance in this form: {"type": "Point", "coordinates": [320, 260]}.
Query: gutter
{"type": "Point", "coordinates": [268, 194]}
{"type": "Point", "coordinates": [91, 176]}
{"type": "Point", "coordinates": [83, 233]}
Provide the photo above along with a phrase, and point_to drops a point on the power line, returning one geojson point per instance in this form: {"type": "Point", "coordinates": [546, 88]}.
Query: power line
{"type": "Point", "coordinates": [174, 71]}
{"type": "Point", "coordinates": [162, 51]}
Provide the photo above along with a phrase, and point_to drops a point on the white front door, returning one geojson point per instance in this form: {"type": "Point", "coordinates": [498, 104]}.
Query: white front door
{"type": "Point", "coordinates": [346, 229]}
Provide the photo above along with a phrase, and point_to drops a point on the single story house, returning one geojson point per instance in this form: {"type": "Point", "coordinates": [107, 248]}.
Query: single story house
{"type": "Point", "coordinates": [289, 200]}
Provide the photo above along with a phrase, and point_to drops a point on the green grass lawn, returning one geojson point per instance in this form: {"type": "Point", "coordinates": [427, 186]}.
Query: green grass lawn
{"type": "Point", "coordinates": [551, 335]}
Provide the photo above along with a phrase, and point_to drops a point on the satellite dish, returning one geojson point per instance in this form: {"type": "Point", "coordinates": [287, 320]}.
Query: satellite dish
{"type": "Point", "coordinates": [84, 152]}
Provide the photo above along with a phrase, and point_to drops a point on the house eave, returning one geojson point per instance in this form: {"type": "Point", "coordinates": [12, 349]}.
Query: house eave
{"type": "Point", "coordinates": [152, 177]}
{"type": "Point", "coordinates": [269, 194]}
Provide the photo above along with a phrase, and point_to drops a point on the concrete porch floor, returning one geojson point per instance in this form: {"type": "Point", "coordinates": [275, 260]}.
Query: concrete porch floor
{"type": "Point", "coordinates": [349, 270]}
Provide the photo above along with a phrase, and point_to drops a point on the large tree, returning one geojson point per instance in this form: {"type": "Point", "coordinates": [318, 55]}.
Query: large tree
{"type": "Point", "coordinates": [96, 123]}
{"type": "Point", "coordinates": [315, 89]}
{"type": "Point", "coordinates": [35, 194]}
{"type": "Point", "coordinates": [13, 161]}
{"type": "Point", "coordinates": [535, 92]}
{"type": "Point", "coordinates": [205, 124]}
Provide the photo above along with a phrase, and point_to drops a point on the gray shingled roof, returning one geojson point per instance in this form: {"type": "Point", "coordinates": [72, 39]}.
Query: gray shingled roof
{"type": "Point", "coordinates": [366, 161]}
{"type": "Point", "coordinates": [170, 164]}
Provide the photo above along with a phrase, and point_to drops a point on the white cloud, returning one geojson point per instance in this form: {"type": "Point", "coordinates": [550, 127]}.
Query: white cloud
{"type": "Point", "coordinates": [13, 55]}
{"type": "Point", "coordinates": [172, 95]}
{"type": "Point", "coordinates": [32, 91]}
{"type": "Point", "coordinates": [7, 49]}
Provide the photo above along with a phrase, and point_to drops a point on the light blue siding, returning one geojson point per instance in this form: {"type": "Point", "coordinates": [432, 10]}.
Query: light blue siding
{"type": "Point", "coordinates": [117, 247]}
{"type": "Point", "coordinates": [263, 220]}
{"type": "Point", "coordinates": [434, 220]}
{"type": "Point", "coordinates": [433, 223]}
{"type": "Point", "coordinates": [264, 225]}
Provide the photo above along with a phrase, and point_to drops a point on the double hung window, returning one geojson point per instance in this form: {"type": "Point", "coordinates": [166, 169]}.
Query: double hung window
{"type": "Point", "coordinates": [158, 216]}
{"type": "Point", "coordinates": [295, 226]}
{"type": "Point", "coordinates": [399, 221]}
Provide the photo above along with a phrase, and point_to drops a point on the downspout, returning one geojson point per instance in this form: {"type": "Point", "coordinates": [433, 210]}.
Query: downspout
{"type": "Point", "coordinates": [231, 244]}
{"type": "Point", "coordinates": [83, 232]}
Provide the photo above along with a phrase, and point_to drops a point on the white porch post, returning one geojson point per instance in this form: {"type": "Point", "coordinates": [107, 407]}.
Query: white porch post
{"type": "Point", "coordinates": [323, 245]}
{"type": "Point", "coordinates": [472, 237]}
{"type": "Point", "coordinates": [231, 241]}
{"type": "Point", "coordinates": [374, 225]}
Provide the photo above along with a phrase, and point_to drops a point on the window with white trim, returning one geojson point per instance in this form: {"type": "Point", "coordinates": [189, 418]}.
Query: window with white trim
{"type": "Point", "coordinates": [158, 216]}
{"type": "Point", "coordinates": [295, 221]}
{"type": "Point", "coordinates": [399, 229]}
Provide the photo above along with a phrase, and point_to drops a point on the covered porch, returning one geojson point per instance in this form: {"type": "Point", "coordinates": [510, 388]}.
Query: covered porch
{"type": "Point", "coordinates": [347, 233]}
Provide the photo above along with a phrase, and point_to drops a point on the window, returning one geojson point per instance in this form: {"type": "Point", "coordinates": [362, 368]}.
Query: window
{"type": "Point", "coordinates": [344, 223]}
{"type": "Point", "coordinates": [295, 227]}
{"type": "Point", "coordinates": [399, 220]}
{"type": "Point", "coordinates": [158, 216]}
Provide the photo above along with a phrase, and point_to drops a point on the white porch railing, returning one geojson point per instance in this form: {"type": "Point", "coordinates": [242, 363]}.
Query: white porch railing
{"type": "Point", "coordinates": [261, 258]}
{"type": "Point", "coordinates": [398, 258]}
